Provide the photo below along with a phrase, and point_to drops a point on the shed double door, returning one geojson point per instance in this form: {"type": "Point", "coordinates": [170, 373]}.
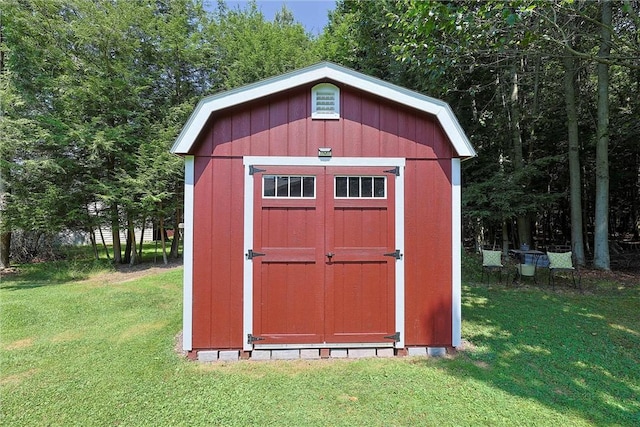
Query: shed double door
{"type": "Point", "coordinates": [324, 255]}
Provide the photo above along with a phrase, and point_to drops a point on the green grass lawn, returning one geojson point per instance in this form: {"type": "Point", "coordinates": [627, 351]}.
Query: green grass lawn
{"type": "Point", "coordinates": [81, 346]}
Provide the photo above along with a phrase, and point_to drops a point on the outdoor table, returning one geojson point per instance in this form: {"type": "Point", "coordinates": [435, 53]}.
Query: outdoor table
{"type": "Point", "coordinates": [528, 261]}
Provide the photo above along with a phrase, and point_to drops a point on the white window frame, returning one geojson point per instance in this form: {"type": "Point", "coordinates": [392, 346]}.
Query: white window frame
{"type": "Point", "coordinates": [288, 197]}
{"type": "Point", "coordinates": [360, 190]}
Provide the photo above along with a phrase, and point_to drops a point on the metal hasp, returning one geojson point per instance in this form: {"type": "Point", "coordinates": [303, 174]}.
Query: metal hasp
{"type": "Point", "coordinates": [396, 254]}
{"type": "Point", "coordinates": [254, 170]}
{"type": "Point", "coordinates": [251, 339]}
{"type": "Point", "coordinates": [395, 171]}
{"type": "Point", "coordinates": [251, 254]}
{"type": "Point", "coordinates": [395, 337]}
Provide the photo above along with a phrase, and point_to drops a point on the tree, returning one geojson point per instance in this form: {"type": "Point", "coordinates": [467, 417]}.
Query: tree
{"type": "Point", "coordinates": [251, 48]}
{"type": "Point", "coordinates": [601, 236]}
{"type": "Point", "coordinates": [519, 76]}
{"type": "Point", "coordinates": [103, 88]}
{"type": "Point", "coordinates": [577, 243]}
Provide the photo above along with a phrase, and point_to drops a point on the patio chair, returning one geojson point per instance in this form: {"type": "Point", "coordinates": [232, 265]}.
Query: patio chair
{"type": "Point", "coordinates": [491, 261]}
{"type": "Point", "coordinates": [560, 262]}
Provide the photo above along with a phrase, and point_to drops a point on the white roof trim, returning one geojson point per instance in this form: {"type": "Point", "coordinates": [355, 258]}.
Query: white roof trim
{"type": "Point", "coordinates": [323, 70]}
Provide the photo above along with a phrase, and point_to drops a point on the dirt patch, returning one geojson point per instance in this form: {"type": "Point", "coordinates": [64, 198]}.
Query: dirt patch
{"type": "Point", "coordinates": [8, 271]}
{"type": "Point", "coordinates": [20, 344]}
{"type": "Point", "coordinates": [627, 277]}
{"type": "Point", "coordinates": [140, 329]}
{"type": "Point", "coordinates": [67, 336]}
{"type": "Point", "coordinates": [126, 273]}
{"type": "Point", "coordinates": [18, 378]}
{"type": "Point", "coordinates": [177, 346]}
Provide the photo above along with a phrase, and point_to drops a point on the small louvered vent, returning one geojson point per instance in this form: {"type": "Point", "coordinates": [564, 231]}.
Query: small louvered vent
{"type": "Point", "coordinates": [325, 101]}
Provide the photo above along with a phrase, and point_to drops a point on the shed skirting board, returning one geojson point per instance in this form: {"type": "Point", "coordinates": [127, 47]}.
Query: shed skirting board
{"type": "Point", "coordinates": [456, 255]}
{"type": "Point", "coordinates": [247, 315]}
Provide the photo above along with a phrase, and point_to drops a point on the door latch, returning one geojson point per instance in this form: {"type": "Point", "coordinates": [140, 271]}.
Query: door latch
{"type": "Point", "coordinates": [395, 254]}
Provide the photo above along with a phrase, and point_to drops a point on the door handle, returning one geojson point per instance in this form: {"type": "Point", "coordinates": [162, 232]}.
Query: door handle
{"type": "Point", "coordinates": [330, 255]}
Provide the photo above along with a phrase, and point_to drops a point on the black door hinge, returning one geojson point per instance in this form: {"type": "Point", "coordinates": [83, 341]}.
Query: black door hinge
{"type": "Point", "coordinates": [251, 254]}
{"type": "Point", "coordinates": [254, 170]}
{"type": "Point", "coordinates": [251, 339]}
{"type": "Point", "coordinates": [395, 337]}
{"type": "Point", "coordinates": [396, 254]}
{"type": "Point", "coordinates": [395, 171]}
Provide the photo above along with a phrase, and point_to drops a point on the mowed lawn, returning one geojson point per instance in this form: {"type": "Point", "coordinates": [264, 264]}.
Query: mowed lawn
{"type": "Point", "coordinates": [98, 348]}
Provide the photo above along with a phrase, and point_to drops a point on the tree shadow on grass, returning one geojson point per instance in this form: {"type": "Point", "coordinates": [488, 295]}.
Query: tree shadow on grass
{"type": "Point", "coordinates": [574, 353]}
{"type": "Point", "coordinates": [32, 276]}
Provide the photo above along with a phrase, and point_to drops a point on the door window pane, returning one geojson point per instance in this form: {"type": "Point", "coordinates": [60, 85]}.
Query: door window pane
{"type": "Point", "coordinates": [367, 186]}
{"type": "Point", "coordinates": [378, 187]}
{"type": "Point", "coordinates": [354, 186]}
{"type": "Point", "coordinates": [283, 186]}
{"type": "Point", "coordinates": [341, 186]}
{"type": "Point", "coordinates": [295, 190]}
{"type": "Point", "coordinates": [308, 186]}
{"type": "Point", "coordinates": [269, 186]}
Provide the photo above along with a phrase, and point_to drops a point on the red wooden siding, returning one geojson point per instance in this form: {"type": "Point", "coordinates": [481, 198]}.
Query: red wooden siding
{"type": "Point", "coordinates": [428, 253]}
{"type": "Point", "coordinates": [368, 128]}
{"type": "Point", "coordinates": [218, 253]}
{"type": "Point", "coordinates": [281, 126]}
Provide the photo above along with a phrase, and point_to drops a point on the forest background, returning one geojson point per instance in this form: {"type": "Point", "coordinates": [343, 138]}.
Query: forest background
{"type": "Point", "coordinates": [94, 92]}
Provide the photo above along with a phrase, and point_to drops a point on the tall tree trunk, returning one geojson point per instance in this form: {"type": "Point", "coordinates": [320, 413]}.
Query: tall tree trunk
{"type": "Point", "coordinates": [127, 247]}
{"type": "Point", "coordinates": [505, 237]}
{"type": "Point", "coordinates": [144, 222]}
{"type": "Point", "coordinates": [5, 249]}
{"type": "Point", "coordinates": [104, 243]}
{"type": "Point", "coordinates": [175, 243]}
{"type": "Point", "coordinates": [601, 237]}
{"type": "Point", "coordinates": [131, 241]}
{"type": "Point", "coordinates": [575, 185]}
{"type": "Point", "coordinates": [94, 245]}
{"type": "Point", "coordinates": [162, 240]}
{"type": "Point", "coordinates": [5, 226]}
{"type": "Point", "coordinates": [523, 221]}
{"type": "Point", "coordinates": [115, 232]}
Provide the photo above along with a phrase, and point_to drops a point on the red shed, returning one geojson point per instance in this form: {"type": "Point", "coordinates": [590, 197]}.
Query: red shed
{"type": "Point", "coordinates": [322, 214]}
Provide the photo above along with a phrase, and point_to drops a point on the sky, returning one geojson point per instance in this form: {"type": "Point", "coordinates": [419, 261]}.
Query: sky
{"type": "Point", "coordinates": [312, 14]}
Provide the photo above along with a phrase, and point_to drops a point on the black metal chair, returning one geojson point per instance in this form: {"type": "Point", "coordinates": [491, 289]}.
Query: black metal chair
{"type": "Point", "coordinates": [491, 261]}
{"type": "Point", "coordinates": [562, 262]}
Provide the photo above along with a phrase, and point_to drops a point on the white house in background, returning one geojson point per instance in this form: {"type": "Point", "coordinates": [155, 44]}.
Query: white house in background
{"type": "Point", "coordinates": [70, 237]}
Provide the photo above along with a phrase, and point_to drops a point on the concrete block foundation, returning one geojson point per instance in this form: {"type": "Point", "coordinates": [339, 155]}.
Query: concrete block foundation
{"type": "Point", "coordinates": [315, 353]}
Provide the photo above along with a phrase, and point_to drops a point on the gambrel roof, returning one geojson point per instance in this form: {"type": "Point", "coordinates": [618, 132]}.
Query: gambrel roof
{"type": "Point", "coordinates": [315, 73]}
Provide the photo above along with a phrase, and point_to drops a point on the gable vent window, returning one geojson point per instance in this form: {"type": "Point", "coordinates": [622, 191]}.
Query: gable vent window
{"type": "Point", "coordinates": [325, 101]}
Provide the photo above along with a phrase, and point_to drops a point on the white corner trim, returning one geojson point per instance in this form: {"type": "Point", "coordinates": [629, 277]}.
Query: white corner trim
{"type": "Point", "coordinates": [456, 253]}
{"type": "Point", "coordinates": [399, 226]}
{"type": "Point", "coordinates": [315, 73]}
{"type": "Point", "coordinates": [247, 271]}
{"type": "Point", "coordinates": [187, 285]}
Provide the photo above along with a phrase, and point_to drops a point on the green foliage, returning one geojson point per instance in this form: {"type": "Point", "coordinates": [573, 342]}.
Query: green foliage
{"type": "Point", "coordinates": [499, 65]}
{"type": "Point", "coordinates": [253, 49]}
{"type": "Point", "coordinates": [95, 92]}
